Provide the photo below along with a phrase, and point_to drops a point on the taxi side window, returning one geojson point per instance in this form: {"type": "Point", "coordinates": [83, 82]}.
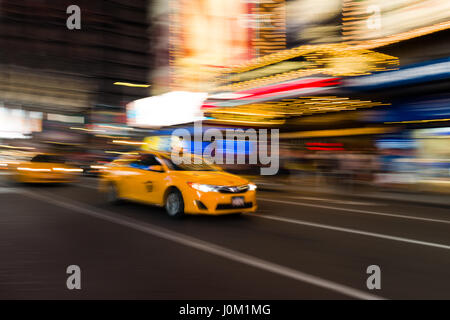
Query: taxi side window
{"type": "Point", "coordinates": [145, 161]}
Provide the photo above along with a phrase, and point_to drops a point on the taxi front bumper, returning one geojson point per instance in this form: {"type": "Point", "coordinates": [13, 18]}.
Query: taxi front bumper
{"type": "Point", "coordinates": [216, 203]}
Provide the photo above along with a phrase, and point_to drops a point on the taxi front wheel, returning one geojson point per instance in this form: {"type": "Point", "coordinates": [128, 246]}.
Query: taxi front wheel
{"type": "Point", "coordinates": [175, 204]}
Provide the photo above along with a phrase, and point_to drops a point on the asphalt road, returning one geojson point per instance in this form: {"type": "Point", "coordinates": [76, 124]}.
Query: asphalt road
{"type": "Point", "coordinates": [297, 246]}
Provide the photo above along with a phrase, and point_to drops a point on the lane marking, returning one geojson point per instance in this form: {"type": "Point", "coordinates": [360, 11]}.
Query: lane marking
{"type": "Point", "coordinates": [205, 246]}
{"type": "Point", "coordinates": [357, 211]}
{"type": "Point", "coordinates": [354, 231]}
{"type": "Point", "coordinates": [4, 190]}
{"type": "Point", "coordinates": [356, 203]}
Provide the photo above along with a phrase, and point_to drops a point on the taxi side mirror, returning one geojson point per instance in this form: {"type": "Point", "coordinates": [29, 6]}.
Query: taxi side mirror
{"type": "Point", "coordinates": [156, 168]}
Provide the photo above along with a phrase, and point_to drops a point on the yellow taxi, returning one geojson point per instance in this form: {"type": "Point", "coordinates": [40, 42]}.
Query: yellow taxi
{"type": "Point", "coordinates": [44, 168]}
{"type": "Point", "coordinates": [153, 178]}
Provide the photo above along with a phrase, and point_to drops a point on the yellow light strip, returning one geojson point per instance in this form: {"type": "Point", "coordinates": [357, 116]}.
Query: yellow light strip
{"type": "Point", "coordinates": [13, 147]}
{"type": "Point", "coordinates": [124, 153]}
{"type": "Point", "coordinates": [418, 121]}
{"type": "Point", "coordinates": [246, 122]}
{"type": "Point", "coordinates": [135, 143]}
{"type": "Point", "coordinates": [135, 85]}
{"type": "Point", "coordinates": [62, 143]}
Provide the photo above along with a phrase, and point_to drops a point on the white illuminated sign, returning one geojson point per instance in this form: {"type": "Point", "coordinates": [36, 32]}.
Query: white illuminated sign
{"type": "Point", "coordinates": [172, 108]}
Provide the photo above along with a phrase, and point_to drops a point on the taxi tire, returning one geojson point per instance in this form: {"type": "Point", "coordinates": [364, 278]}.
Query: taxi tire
{"type": "Point", "coordinates": [112, 194]}
{"type": "Point", "coordinates": [176, 196]}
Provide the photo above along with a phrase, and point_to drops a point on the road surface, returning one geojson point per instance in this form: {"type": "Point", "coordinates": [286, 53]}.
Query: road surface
{"type": "Point", "coordinates": [297, 246]}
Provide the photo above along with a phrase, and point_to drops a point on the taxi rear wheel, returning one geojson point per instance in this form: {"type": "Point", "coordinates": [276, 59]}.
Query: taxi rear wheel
{"type": "Point", "coordinates": [175, 204]}
{"type": "Point", "coordinates": [112, 194]}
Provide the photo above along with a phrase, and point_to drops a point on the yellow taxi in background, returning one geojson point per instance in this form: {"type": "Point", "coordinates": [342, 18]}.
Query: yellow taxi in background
{"type": "Point", "coordinates": [153, 178]}
{"type": "Point", "coordinates": [44, 168]}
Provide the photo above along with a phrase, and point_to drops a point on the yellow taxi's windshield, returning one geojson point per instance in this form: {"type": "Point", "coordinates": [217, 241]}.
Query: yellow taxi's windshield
{"type": "Point", "coordinates": [203, 165]}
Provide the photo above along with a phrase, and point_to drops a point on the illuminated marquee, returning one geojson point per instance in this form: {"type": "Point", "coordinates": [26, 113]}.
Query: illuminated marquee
{"type": "Point", "coordinates": [326, 59]}
{"type": "Point", "coordinates": [282, 111]}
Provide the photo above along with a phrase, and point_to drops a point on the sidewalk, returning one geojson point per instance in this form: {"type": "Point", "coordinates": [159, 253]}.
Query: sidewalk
{"type": "Point", "coordinates": [364, 191]}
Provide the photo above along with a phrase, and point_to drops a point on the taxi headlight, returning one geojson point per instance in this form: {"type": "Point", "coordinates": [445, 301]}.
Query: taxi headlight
{"type": "Point", "coordinates": [251, 186]}
{"type": "Point", "coordinates": [203, 187]}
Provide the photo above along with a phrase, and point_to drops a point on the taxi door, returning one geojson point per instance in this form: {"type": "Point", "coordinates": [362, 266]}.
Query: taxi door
{"type": "Point", "coordinates": [145, 184]}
